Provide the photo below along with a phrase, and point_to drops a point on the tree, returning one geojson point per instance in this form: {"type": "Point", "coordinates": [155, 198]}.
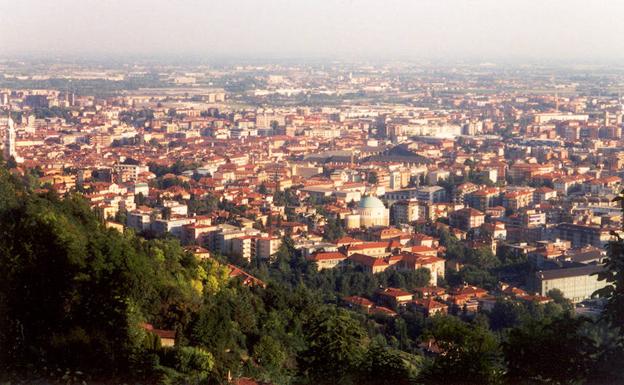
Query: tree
{"type": "Point", "coordinates": [189, 365]}
{"type": "Point", "coordinates": [334, 348]}
{"type": "Point", "coordinates": [202, 206]}
{"type": "Point", "coordinates": [555, 351]}
{"type": "Point", "coordinates": [506, 314]}
{"type": "Point", "coordinates": [285, 250]}
{"type": "Point", "coordinates": [71, 289]}
{"type": "Point", "coordinates": [559, 299]}
{"type": "Point", "coordinates": [73, 293]}
{"type": "Point", "coordinates": [470, 354]}
{"type": "Point", "coordinates": [613, 274]}
{"type": "Point", "coordinates": [384, 366]}
{"type": "Point", "coordinates": [270, 355]}
{"type": "Point", "coordinates": [472, 275]}
{"type": "Point", "coordinates": [483, 258]}
{"type": "Point", "coordinates": [287, 197]}
{"type": "Point", "coordinates": [401, 334]}
{"type": "Point", "coordinates": [140, 199]}
{"type": "Point", "coordinates": [131, 161]}
{"type": "Point", "coordinates": [121, 216]}
{"type": "Point", "coordinates": [11, 163]}
{"type": "Point", "coordinates": [333, 229]}
{"type": "Point", "coordinates": [214, 329]}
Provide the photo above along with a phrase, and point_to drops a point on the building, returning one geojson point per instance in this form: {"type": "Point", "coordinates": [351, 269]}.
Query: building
{"type": "Point", "coordinates": [245, 278]}
{"type": "Point", "coordinates": [358, 303]}
{"type": "Point", "coordinates": [223, 239]}
{"type": "Point", "coordinates": [405, 212]}
{"type": "Point", "coordinates": [431, 194]}
{"type": "Point", "coordinates": [576, 283]}
{"type": "Point", "coordinates": [166, 337]}
{"type": "Point", "coordinates": [369, 263]}
{"type": "Point", "coordinates": [327, 260]}
{"type": "Point", "coordinates": [483, 199]}
{"type": "Point", "coordinates": [546, 117]}
{"type": "Point", "coordinates": [429, 306]}
{"type": "Point", "coordinates": [374, 249]}
{"type": "Point", "coordinates": [9, 143]}
{"type": "Point", "coordinates": [140, 220]}
{"type": "Point", "coordinates": [128, 172]}
{"type": "Point", "coordinates": [531, 218]}
{"type": "Point", "coordinates": [414, 261]}
{"type": "Point", "coordinates": [460, 192]}
{"type": "Point", "coordinates": [174, 226]}
{"type": "Point", "coordinates": [543, 194]}
{"type": "Point", "coordinates": [244, 247]}
{"type": "Point", "coordinates": [198, 252]}
{"type": "Point", "coordinates": [398, 195]}
{"type": "Point", "coordinates": [520, 171]}
{"type": "Point", "coordinates": [583, 235]}
{"type": "Point", "coordinates": [266, 247]}
{"type": "Point", "coordinates": [466, 219]}
{"type": "Point", "coordinates": [394, 297]}
{"type": "Point", "coordinates": [371, 212]}
{"type": "Point", "coordinates": [567, 184]}
{"type": "Point", "coordinates": [515, 200]}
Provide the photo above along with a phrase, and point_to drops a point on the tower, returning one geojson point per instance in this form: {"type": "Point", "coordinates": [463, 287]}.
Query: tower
{"type": "Point", "coordinates": [9, 142]}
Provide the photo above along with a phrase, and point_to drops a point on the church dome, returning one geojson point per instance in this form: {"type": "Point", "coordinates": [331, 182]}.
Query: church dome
{"type": "Point", "coordinates": [371, 202]}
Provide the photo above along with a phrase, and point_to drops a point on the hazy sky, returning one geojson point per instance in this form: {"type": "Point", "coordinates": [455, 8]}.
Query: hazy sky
{"type": "Point", "coordinates": [476, 29]}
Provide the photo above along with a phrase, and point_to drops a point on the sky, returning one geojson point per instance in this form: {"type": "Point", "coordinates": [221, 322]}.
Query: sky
{"type": "Point", "coordinates": [384, 29]}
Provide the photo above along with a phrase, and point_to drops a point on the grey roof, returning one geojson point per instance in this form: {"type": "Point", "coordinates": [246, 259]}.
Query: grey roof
{"type": "Point", "coordinates": [567, 272]}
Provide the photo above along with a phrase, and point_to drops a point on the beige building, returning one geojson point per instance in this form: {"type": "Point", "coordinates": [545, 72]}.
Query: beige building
{"type": "Point", "coordinates": [405, 211]}
{"type": "Point", "coordinates": [576, 283]}
{"type": "Point", "coordinates": [267, 246]}
{"type": "Point", "coordinates": [327, 260]}
{"type": "Point", "coordinates": [373, 249]}
{"type": "Point", "coordinates": [467, 218]}
{"type": "Point", "coordinates": [515, 200]}
{"type": "Point", "coordinates": [244, 247]}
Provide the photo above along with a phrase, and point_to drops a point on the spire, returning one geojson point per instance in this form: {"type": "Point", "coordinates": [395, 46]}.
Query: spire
{"type": "Point", "coordinates": [9, 140]}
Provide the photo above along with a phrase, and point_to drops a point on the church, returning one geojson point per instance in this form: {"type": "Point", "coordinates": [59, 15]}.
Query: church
{"type": "Point", "coordinates": [371, 212]}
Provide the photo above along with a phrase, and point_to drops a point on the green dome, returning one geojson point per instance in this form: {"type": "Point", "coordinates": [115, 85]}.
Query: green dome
{"type": "Point", "coordinates": [371, 202]}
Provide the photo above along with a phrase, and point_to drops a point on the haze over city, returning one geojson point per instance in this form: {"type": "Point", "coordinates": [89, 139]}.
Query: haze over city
{"type": "Point", "coordinates": [555, 30]}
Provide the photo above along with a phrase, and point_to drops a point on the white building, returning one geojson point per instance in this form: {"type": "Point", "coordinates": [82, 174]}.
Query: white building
{"type": "Point", "coordinates": [371, 212]}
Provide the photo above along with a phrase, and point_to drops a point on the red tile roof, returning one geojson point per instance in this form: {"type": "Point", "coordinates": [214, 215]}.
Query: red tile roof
{"type": "Point", "coordinates": [359, 301]}
{"type": "Point", "coordinates": [394, 292]}
{"type": "Point", "coordinates": [325, 256]}
{"type": "Point", "coordinates": [367, 260]}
